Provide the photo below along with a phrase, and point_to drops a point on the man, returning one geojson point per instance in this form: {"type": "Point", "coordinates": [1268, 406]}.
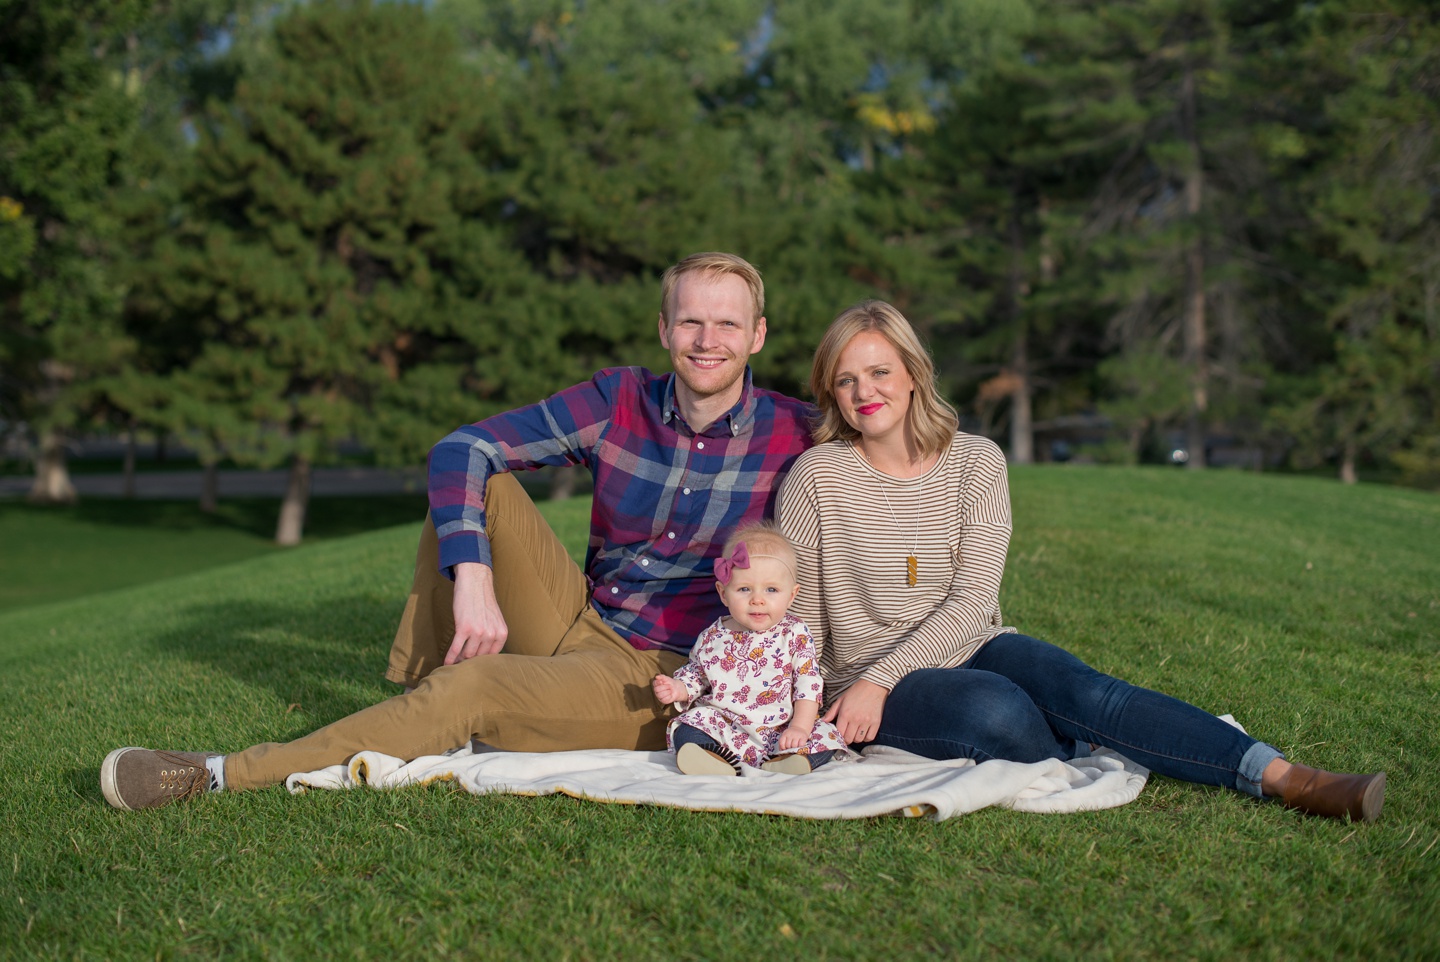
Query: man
{"type": "Point", "coordinates": [524, 651]}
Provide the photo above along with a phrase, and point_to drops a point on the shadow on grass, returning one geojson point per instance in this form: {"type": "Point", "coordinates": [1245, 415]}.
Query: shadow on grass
{"type": "Point", "coordinates": [317, 658]}
{"type": "Point", "coordinates": [336, 517]}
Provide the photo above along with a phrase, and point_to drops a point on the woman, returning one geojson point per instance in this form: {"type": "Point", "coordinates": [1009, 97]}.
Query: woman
{"type": "Point", "coordinates": [902, 524]}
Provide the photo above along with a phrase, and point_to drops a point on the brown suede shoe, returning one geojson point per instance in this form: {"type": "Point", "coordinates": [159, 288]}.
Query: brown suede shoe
{"type": "Point", "coordinates": [1334, 795]}
{"type": "Point", "coordinates": [132, 778]}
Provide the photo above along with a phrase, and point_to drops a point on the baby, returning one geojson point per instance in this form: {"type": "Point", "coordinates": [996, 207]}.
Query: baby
{"type": "Point", "coordinates": [751, 691]}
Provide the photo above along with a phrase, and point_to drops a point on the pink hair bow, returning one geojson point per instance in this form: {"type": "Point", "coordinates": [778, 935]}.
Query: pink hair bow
{"type": "Point", "coordinates": [725, 567]}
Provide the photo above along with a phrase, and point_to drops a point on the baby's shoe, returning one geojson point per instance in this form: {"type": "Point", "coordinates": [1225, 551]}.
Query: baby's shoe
{"type": "Point", "coordinates": [694, 760]}
{"type": "Point", "coordinates": [792, 764]}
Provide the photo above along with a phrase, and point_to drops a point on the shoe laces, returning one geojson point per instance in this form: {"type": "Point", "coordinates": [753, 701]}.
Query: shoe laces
{"type": "Point", "coordinates": [185, 779]}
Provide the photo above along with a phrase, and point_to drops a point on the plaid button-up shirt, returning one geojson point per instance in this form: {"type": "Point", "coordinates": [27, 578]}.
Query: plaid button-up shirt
{"type": "Point", "coordinates": [665, 496]}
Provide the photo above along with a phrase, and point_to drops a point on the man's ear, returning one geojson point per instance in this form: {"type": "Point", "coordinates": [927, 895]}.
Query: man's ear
{"type": "Point", "coordinates": [759, 341]}
{"type": "Point", "coordinates": [664, 332]}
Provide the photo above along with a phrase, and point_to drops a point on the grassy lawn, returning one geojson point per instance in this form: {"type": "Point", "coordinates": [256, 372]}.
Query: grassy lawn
{"type": "Point", "coordinates": [100, 544]}
{"type": "Point", "coordinates": [1309, 610]}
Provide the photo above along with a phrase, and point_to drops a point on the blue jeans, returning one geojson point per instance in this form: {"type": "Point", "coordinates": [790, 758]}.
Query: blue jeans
{"type": "Point", "coordinates": [687, 734]}
{"type": "Point", "coordinates": [1022, 699]}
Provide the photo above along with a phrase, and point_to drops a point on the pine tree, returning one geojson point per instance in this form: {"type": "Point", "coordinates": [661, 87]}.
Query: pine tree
{"type": "Point", "coordinates": [340, 259]}
{"type": "Point", "coordinates": [66, 117]}
{"type": "Point", "coordinates": [1375, 240]}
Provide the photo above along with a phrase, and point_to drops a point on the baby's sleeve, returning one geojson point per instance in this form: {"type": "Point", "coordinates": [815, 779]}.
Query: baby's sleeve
{"type": "Point", "coordinates": [804, 666]}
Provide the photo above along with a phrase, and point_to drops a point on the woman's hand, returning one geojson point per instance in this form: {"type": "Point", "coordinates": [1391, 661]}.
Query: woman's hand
{"type": "Point", "coordinates": [857, 712]}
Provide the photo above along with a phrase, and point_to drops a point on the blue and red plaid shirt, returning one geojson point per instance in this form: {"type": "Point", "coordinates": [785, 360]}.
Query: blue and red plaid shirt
{"type": "Point", "coordinates": [665, 496]}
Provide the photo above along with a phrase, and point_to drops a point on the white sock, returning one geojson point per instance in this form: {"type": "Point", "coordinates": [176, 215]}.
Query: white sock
{"type": "Point", "coordinates": [216, 766]}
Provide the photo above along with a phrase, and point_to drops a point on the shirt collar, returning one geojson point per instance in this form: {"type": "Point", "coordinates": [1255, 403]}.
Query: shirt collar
{"type": "Point", "coordinates": [735, 420]}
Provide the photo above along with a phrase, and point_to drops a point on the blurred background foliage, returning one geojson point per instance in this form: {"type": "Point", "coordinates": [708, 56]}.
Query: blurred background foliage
{"type": "Point", "coordinates": [1131, 229]}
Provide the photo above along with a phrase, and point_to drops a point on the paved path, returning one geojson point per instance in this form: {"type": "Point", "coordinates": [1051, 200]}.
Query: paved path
{"type": "Point", "coordinates": [166, 485]}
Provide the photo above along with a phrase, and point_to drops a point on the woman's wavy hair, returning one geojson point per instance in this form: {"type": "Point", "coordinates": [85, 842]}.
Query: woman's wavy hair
{"type": "Point", "coordinates": [932, 419]}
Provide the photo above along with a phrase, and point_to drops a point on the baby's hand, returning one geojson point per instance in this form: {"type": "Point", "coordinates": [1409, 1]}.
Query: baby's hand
{"type": "Point", "coordinates": [667, 690]}
{"type": "Point", "coordinates": [793, 737]}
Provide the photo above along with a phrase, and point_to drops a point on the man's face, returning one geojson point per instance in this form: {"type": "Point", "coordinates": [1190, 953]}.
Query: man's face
{"type": "Point", "coordinates": [710, 334]}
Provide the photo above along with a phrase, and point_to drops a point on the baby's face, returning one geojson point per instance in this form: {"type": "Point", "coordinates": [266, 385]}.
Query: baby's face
{"type": "Point", "coordinates": [759, 596]}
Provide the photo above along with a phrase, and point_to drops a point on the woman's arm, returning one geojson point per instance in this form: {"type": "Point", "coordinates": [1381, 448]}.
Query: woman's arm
{"type": "Point", "coordinates": [960, 625]}
{"type": "Point", "coordinates": [796, 513]}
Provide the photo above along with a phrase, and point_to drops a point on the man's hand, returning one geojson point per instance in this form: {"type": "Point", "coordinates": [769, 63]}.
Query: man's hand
{"type": "Point", "coordinates": [668, 690]}
{"type": "Point", "coordinates": [480, 628]}
{"type": "Point", "coordinates": [857, 712]}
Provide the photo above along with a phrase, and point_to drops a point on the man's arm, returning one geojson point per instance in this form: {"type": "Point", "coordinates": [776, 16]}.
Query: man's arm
{"type": "Point", "coordinates": [480, 627]}
{"type": "Point", "coordinates": [559, 430]}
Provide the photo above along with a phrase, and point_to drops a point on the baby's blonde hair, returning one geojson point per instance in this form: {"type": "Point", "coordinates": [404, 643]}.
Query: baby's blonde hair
{"type": "Point", "coordinates": [763, 539]}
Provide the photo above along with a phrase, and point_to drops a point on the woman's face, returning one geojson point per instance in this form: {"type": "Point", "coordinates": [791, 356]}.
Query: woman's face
{"type": "Point", "coordinates": [872, 387]}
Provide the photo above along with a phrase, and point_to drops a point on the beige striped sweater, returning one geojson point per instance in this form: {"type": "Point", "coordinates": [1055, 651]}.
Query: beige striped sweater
{"type": "Point", "coordinates": [852, 545]}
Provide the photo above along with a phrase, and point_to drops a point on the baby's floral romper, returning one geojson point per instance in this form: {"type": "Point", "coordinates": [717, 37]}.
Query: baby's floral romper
{"type": "Point", "coordinates": [742, 686]}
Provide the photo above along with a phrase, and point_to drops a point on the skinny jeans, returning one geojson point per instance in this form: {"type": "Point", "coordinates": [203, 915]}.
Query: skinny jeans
{"type": "Point", "coordinates": [1025, 700]}
{"type": "Point", "coordinates": [564, 680]}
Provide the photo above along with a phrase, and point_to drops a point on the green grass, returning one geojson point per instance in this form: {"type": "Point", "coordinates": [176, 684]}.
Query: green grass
{"type": "Point", "coordinates": [100, 544]}
{"type": "Point", "coordinates": [55, 553]}
{"type": "Point", "coordinates": [1309, 610]}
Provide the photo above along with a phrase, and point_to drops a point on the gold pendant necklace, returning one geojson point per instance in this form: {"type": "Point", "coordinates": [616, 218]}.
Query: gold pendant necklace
{"type": "Point", "coordinates": [912, 563]}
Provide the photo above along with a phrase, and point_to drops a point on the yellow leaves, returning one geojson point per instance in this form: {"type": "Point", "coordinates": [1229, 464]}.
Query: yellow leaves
{"type": "Point", "coordinates": [874, 113]}
{"type": "Point", "coordinates": [10, 209]}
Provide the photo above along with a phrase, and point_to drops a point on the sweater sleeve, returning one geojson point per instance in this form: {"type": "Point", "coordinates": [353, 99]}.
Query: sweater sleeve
{"type": "Point", "coordinates": [798, 515]}
{"type": "Point", "coordinates": [964, 620]}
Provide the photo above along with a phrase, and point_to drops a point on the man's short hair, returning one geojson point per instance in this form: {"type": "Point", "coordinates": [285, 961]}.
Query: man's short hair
{"type": "Point", "coordinates": [714, 264]}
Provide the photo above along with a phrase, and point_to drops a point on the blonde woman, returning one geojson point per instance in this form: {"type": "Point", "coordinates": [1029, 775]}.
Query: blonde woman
{"type": "Point", "coordinates": [901, 525]}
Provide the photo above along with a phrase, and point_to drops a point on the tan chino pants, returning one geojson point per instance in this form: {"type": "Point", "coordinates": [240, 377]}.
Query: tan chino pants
{"type": "Point", "coordinates": [564, 680]}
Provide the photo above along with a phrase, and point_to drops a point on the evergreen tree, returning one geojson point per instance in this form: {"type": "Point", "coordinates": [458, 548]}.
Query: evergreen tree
{"type": "Point", "coordinates": [1375, 240]}
{"type": "Point", "coordinates": [66, 117]}
{"type": "Point", "coordinates": [339, 256]}
{"type": "Point", "coordinates": [185, 54]}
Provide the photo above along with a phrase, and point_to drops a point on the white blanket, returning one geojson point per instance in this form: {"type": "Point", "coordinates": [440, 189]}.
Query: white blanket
{"type": "Point", "coordinates": [883, 782]}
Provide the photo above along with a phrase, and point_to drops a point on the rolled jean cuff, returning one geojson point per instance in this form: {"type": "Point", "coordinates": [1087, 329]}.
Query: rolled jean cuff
{"type": "Point", "coordinates": [1252, 768]}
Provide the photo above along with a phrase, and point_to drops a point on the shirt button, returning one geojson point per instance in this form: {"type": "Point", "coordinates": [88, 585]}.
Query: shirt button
{"type": "Point", "coordinates": [685, 490]}
{"type": "Point", "coordinates": [644, 562]}
{"type": "Point", "coordinates": [614, 591]}
{"type": "Point", "coordinates": [700, 445]}
{"type": "Point", "coordinates": [671, 536]}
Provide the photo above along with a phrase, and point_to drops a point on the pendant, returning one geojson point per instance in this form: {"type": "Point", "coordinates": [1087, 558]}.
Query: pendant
{"type": "Point", "coordinates": [912, 566]}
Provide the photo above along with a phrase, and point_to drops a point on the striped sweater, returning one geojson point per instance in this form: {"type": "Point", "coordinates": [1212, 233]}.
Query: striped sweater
{"type": "Point", "coordinates": [868, 622]}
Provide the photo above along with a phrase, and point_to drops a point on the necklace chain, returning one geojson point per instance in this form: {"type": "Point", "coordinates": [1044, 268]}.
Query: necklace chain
{"type": "Point", "coordinates": [912, 562]}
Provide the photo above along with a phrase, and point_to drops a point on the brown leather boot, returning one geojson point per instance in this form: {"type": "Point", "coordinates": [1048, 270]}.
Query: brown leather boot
{"type": "Point", "coordinates": [1334, 795]}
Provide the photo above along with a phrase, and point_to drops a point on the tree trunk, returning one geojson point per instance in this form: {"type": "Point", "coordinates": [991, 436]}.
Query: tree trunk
{"type": "Point", "coordinates": [52, 476]}
{"type": "Point", "coordinates": [1134, 438]}
{"type": "Point", "coordinates": [1194, 307]}
{"type": "Point", "coordinates": [1347, 462]}
{"type": "Point", "coordinates": [210, 487]}
{"type": "Point", "coordinates": [297, 499]}
{"type": "Point", "coordinates": [1022, 422]}
{"type": "Point", "coordinates": [562, 483]}
{"type": "Point", "coordinates": [127, 483]}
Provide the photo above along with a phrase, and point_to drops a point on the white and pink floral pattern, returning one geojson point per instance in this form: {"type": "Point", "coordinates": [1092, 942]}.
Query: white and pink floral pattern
{"type": "Point", "coordinates": [743, 685]}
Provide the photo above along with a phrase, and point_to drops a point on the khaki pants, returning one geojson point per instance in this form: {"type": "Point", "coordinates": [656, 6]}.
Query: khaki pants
{"type": "Point", "coordinates": [565, 680]}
